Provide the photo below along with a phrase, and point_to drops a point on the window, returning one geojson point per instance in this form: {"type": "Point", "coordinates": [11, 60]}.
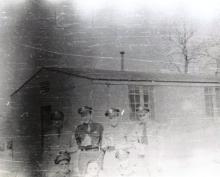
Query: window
{"type": "Point", "coordinates": [44, 87]}
{"type": "Point", "coordinates": [140, 96]}
{"type": "Point", "coordinates": [217, 97]}
{"type": "Point", "coordinates": [212, 101]}
{"type": "Point", "coordinates": [209, 95]}
{"type": "Point", "coordinates": [45, 124]}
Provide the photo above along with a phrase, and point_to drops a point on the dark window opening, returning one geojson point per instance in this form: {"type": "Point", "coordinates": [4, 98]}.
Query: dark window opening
{"type": "Point", "coordinates": [140, 96]}
{"type": "Point", "coordinates": [212, 101]}
{"type": "Point", "coordinates": [44, 87]}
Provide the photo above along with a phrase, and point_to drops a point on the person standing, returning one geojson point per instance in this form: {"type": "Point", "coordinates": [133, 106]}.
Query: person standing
{"type": "Point", "coordinates": [114, 135]}
{"type": "Point", "coordinates": [93, 170]}
{"type": "Point", "coordinates": [139, 138]}
{"type": "Point", "coordinates": [124, 163]}
{"type": "Point", "coordinates": [114, 138]}
{"type": "Point", "coordinates": [62, 161]}
{"type": "Point", "coordinates": [88, 136]}
{"type": "Point", "coordinates": [140, 131]}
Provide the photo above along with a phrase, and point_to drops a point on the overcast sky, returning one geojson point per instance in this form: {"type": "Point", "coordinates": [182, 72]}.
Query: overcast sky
{"type": "Point", "coordinates": [202, 9]}
{"type": "Point", "coordinates": [123, 25]}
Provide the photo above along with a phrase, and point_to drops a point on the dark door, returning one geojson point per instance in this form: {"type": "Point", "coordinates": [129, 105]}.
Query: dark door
{"type": "Point", "coordinates": [45, 123]}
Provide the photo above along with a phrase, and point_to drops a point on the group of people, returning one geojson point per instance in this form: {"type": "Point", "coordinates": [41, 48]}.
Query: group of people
{"type": "Point", "coordinates": [117, 149]}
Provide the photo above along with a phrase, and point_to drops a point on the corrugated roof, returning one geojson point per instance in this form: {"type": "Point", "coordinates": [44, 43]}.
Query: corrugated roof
{"type": "Point", "coordinates": [112, 75]}
{"type": "Point", "coordinates": [109, 75]}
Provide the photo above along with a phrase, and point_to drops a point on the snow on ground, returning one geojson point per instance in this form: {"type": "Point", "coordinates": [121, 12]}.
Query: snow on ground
{"type": "Point", "coordinates": [185, 148]}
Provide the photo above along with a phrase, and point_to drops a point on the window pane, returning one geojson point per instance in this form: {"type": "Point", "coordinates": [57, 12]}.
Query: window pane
{"type": "Point", "coordinates": [209, 105]}
{"type": "Point", "coordinates": [217, 97]}
{"type": "Point", "coordinates": [137, 91]}
{"type": "Point", "coordinates": [217, 89]}
{"type": "Point", "coordinates": [146, 98]}
{"type": "Point", "coordinates": [146, 91]}
{"type": "Point", "coordinates": [209, 90]}
{"type": "Point", "coordinates": [146, 105]}
{"type": "Point", "coordinates": [138, 105]}
{"type": "Point", "coordinates": [132, 100]}
{"type": "Point", "coordinates": [137, 98]}
{"type": "Point", "coordinates": [132, 107]}
{"type": "Point", "coordinates": [131, 92]}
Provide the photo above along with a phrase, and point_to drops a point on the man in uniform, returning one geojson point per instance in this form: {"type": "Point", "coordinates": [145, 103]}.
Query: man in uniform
{"type": "Point", "coordinates": [88, 137]}
{"type": "Point", "coordinates": [138, 137]}
{"type": "Point", "coordinates": [114, 138]}
{"type": "Point", "coordinates": [62, 161]}
{"type": "Point", "coordinates": [115, 130]}
{"type": "Point", "coordinates": [124, 163]}
{"type": "Point", "coordinates": [140, 131]}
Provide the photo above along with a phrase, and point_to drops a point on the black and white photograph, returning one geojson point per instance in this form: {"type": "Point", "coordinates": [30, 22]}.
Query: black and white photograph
{"type": "Point", "coordinates": [109, 88]}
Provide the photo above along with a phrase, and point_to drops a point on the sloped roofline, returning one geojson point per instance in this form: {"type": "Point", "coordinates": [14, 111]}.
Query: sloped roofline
{"type": "Point", "coordinates": [96, 71]}
{"type": "Point", "coordinates": [48, 69]}
{"type": "Point", "coordinates": [26, 82]}
{"type": "Point", "coordinates": [38, 72]}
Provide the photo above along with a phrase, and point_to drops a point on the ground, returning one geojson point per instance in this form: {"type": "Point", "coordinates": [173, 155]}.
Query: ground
{"type": "Point", "coordinates": [177, 148]}
{"type": "Point", "coordinates": [184, 148]}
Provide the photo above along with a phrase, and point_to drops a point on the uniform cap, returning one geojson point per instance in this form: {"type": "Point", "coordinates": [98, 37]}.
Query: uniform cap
{"type": "Point", "coordinates": [112, 111]}
{"type": "Point", "coordinates": [141, 109]}
{"type": "Point", "coordinates": [62, 156]}
{"type": "Point", "coordinates": [57, 115]}
{"type": "Point", "coordinates": [85, 110]}
{"type": "Point", "coordinates": [122, 153]}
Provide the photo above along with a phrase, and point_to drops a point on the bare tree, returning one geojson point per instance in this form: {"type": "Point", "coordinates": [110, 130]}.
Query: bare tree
{"type": "Point", "coordinates": [212, 55]}
{"type": "Point", "coordinates": [182, 47]}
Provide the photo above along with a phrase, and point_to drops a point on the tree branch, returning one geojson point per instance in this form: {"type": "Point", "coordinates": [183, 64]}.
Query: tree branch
{"type": "Point", "coordinates": [174, 64]}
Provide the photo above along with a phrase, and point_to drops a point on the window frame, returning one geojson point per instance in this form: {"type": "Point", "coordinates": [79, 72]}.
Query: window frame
{"type": "Point", "coordinates": [212, 101]}
{"type": "Point", "coordinates": [143, 92]}
{"type": "Point", "coordinates": [44, 87]}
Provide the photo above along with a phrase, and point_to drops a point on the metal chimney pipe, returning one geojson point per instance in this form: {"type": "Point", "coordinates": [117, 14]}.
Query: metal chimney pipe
{"type": "Point", "coordinates": [122, 60]}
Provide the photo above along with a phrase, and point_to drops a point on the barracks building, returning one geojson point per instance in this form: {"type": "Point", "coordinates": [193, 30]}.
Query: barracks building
{"type": "Point", "coordinates": [186, 98]}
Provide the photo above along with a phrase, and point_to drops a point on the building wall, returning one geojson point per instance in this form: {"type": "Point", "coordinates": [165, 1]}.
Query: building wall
{"type": "Point", "coordinates": [172, 102]}
{"type": "Point", "coordinates": [26, 129]}
{"type": "Point", "coordinates": [110, 96]}
{"type": "Point", "coordinates": [68, 93]}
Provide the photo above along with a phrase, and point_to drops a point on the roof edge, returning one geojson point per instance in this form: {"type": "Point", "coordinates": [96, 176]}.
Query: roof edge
{"type": "Point", "coordinates": [27, 81]}
{"type": "Point", "coordinates": [48, 69]}
{"type": "Point", "coordinates": [68, 73]}
{"type": "Point", "coordinates": [56, 69]}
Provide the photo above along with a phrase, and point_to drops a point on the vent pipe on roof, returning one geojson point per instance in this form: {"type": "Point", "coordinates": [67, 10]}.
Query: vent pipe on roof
{"type": "Point", "coordinates": [122, 60]}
